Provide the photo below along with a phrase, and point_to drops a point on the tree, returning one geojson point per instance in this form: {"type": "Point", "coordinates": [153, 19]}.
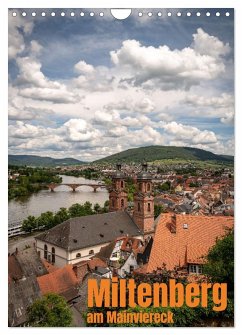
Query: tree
{"type": "Point", "coordinates": [51, 310]}
{"type": "Point", "coordinates": [220, 261]}
{"type": "Point", "coordinates": [29, 224]}
{"type": "Point", "coordinates": [165, 186]}
{"type": "Point", "coordinates": [61, 216]}
{"type": "Point", "coordinates": [75, 210]}
{"type": "Point", "coordinates": [46, 220]}
{"type": "Point", "coordinates": [158, 209]}
{"type": "Point", "coordinates": [97, 208]}
{"type": "Point", "coordinates": [88, 208]}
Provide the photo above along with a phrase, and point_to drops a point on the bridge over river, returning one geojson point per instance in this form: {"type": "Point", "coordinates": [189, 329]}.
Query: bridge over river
{"type": "Point", "coordinates": [74, 186]}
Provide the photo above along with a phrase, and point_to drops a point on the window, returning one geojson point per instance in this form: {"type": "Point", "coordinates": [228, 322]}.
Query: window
{"type": "Point", "coordinates": [140, 186]}
{"type": "Point", "coordinates": [148, 206]}
{"type": "Point", "coordinates": [112, 202]}
{"type": "Point", "coordinates": [193, 268]}
{"type": "Point", "coordinates": [78, 255]}
{"type": "Point", "coordinates": [122, 184]}
{"type": "Point", "coordinates": [148, 187]}
{"type": "Point", "coordinates": [91, 252]}
{"type": "Point", "coordinates": [122, 202]}
{"type": "Point", "coordinates": [53, 255]}
{"type": "Point", "coordinates": [138, 207]}
{"type": "Point", "coordinates": [131, 268]}
{"type": "Point", "coordinates": [45, 251]}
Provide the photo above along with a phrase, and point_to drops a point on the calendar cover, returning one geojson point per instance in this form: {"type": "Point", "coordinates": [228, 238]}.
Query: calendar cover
{"type": "Point", "coordinates": [121, 167]}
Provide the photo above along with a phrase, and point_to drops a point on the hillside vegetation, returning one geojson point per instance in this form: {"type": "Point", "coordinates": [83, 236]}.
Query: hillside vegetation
{"type": "Point", "coordinates": [31, 160]}
{"type": "Point", "coordinates": [153, 153]}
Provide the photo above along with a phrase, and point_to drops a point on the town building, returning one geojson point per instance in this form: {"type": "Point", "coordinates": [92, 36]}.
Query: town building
{"type": "Point", "coordinates": [81, 238]}
{"type": "Point", "coordinates": [182, 241]}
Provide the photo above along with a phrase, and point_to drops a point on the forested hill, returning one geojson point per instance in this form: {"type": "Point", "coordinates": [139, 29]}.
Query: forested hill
{"type": "Point", "coordinates": [152, 153]}
{"type": "Point", "coordinates": [31, 160]}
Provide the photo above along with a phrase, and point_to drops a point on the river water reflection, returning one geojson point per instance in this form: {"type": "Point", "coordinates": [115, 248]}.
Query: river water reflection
{"type": "Point", "coordinates": [63, 196]}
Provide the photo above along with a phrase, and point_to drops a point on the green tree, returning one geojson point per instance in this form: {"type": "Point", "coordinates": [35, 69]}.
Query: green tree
{"type": "Point", "coordinates": [220, 261]}
{"type": "Point", "coordinates": [50, 311]}
{"type": "Point", "coordinates": [75, 210]}
{"type": "Point", "coordinates": [29, 224]}
{"type": "Point", "coordinates": [88, 208]}
{"type": "Point", "coordinates": [61, 216]}
{"type": "Point", "coordinates": [46, 220]}
{"type": "Point", "coordinates": [165, 186]}
{"type": "Point", "coordinates": [97, 208]}
{"type": "Point", "coordinates": [158, 209]}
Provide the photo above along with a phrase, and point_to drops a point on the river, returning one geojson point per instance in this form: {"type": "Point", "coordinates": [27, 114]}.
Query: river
{"type": "Point", "coordinates": [63, 196]}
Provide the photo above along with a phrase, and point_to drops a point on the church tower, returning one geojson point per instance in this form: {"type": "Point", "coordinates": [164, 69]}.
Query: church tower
{"type": "Point", "coordinates": [118, 197]}
{"type": "Point", "coordinates": [143, 214]}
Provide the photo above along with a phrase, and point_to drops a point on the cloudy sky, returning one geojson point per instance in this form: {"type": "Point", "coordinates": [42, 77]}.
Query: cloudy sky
{"type": "Point", "coordinates": [90, 86]}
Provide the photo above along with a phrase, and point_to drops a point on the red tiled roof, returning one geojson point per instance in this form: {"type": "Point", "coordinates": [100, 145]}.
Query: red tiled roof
{"type": "Point", "coordinates": [14, 269]}
{"type": "Point", "coordinates": [185, 245]}
{"type": "Point", "coordinates": [92, 263]}
{"type": "Point", "coordinates": [49, 267]}
{"type": "Point", "coordinates": [61, 281]}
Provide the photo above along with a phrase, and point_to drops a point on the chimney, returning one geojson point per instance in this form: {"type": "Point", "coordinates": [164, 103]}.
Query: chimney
{"type": "Point", "coordinates": [173, 224]}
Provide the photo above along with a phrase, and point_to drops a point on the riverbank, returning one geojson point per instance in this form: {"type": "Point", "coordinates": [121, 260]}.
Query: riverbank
{"type": "Point", "coordinates": [24, 181]}
{"type": "Point", "coordinates": [63, 196]}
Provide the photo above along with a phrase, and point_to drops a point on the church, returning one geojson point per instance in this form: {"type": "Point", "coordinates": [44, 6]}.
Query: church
{"type": "Point", "coordinates": [81, 238]}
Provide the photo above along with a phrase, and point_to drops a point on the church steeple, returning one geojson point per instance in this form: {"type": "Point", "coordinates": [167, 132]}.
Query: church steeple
{"type": "Point", "coordinates": [144, 201]}
{"type": "Point", "coordinates": [118, 197]}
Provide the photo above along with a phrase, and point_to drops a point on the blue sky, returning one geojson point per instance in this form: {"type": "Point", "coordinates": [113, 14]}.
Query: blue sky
{"type": "Point", "coordinates": [88, 87]}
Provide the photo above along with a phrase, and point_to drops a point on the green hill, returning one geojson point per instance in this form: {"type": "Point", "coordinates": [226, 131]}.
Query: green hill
{"type": "Point", "coordinates": [31, 160]}
{"type": "Point", "coordinates": [156, 152]}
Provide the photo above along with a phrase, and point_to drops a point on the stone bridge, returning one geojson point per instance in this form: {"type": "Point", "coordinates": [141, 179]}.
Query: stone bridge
{"type": "Point", "coordinates": [52, 186]}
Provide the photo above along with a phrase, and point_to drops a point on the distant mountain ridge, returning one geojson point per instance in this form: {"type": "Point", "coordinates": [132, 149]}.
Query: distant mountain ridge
{"type": "Point", "coordinates": [32, 160]}
{"type": "Point", "coordinates": [157, 152]}
{"type": "Point", "coordinates": [136, 155]}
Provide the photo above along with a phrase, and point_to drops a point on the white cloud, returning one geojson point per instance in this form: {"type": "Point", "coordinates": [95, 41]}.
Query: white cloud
{"type": "Point", "coordinates": [188, 134]}
{"type": "Point", "coordinates": [29, 113]}
{"type": "Point", "coordinates": [216, 106]}
{"type": "Point", "coordinates": [35, 47]}
{"type": "Point", "coordinates": [223, 101]}
{"type": "Point", "coordinates": [228, 118]}
{"type": "Point", "coordinates": [169, 69]}
{"type": "Point", "coordinates": [117, 131]}
{"type": "Point", "coordinates": [205, 44]}
{"type": "Point", "coordinates": [24, 130]}
{"type": "Point", "coordinates": [103, 117]}
{"type": "Point", "coordinates": [53, 95]}
{"type": "Point", "coordinates": [83, 67]}
{"type": "Point", "coordinates": [78, 130]}
{"type": "Point", "coordinates": [16, 44]}
{"type": "Point", "coordinates": [35, 85]}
